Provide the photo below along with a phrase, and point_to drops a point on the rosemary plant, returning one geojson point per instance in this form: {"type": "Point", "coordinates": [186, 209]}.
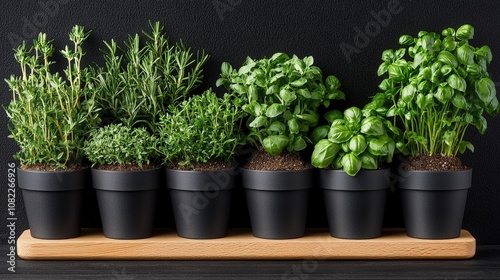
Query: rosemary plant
{"type": "Point", "coordinates": [141, 80]}
{"type": "Point", "coordinates": [50, 114]}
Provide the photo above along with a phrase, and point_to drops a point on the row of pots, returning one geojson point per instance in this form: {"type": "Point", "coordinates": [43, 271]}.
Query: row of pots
{"type": "Point", "coordinates": [432, 202]}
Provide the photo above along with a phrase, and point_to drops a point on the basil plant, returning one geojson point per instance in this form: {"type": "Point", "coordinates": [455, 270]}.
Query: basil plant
{"type": "Point", "coordinates": [437, 85]}
{"type": "Point", "coordinates": [354, 141]}
{"type": "Point", "coordinates": [280, 96]}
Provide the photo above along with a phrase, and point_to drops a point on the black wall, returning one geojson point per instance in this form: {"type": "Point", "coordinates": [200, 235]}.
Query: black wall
{"type": "Point", "coordinates": [230, 30]}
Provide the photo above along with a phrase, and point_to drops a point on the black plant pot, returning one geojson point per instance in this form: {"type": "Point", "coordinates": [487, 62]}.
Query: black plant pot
{"type": "Point", "coordinates": [53, 201]}
{"type": "Point", "coordinates": [355, 205]}
{"type": "Point", "coordinates": [433, 202]}
{"type": "Point", "coordinates": [201, 201]}
{"type": "Point", "coordinates": [127, 201]}
{"type": "Point", "coordinates": [277, 202]}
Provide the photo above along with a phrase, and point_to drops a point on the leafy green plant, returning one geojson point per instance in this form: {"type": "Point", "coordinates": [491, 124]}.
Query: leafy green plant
{"type": "Point", "coordinates": [442, 89]}
{"type": "Point", "coordinates": [281, 96]}
{"type": "Point", "coordinates": [201, 129]}
{"type": "Point", "coordinates": [141, 80]}
{"type": "Point", "coordinates": [50, 114]}
{"type": "Point", "coordinates": [117, 144]}
{"type": "Point", "coordinates": [353, 142]}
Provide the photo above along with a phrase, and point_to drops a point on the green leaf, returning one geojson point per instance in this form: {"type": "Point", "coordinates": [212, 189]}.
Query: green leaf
{"type": "Point", "coordinates": [275, 144]}
{"type": "Point", "coordinates": [357, 144]}
{"type": "Point", "coordinates": [246, 68]}
{"type": "Point", "coordinates": [258, 122]}
{"type": "Point", "coordinates": [388, 55]}
{"type": "Point", "coordinates": [353, 115]}
{"type": "Point", "coordinates": [351, 164]}
{"type": "Point", "coordinates": [323, 154]}
{"type": "Point", "coordinates": [368, 161]}
{"type": "Point", "coordinates": [485, 52]}
{"type": "Point", "coordinates": [299, 144]}
{"type": "Point", "coordinates": [406, 40]}
{"type": "Point", "coordinates": [382, 69]}
{"type": "Point", "coordinates": [459, 101]}
{"type": "Point", "coordinates": [298, 83]}
{"type": "Point", "coordinates": [294, 126]}
{"type": "Point", "coordinates": [241, 89]}
{"type": "Point", "coordinates": [339, 133]}
{"type": "Point", "coordinates": [275, 110]}
{"type": "Point", "coordinates": [226, 69]}
{"type": "Point", "coordinates": [319, 133]}
{"type": "Point", "coordinates": [272, 90]}
{"type": "Point", "coordinates": [419, 58]}
{"type": "Point", "coordinates": [465, 145]}
{"type": "Point", "coordinates": [457, 82]}
{"type": "Point", "coordinates": [372, 126]}
{"type": "Point", "coordinates": [332, 83]}
{"type": "Point", "coordinates": [304, 93]}
{"type": "Point", "coordinates": [449, 137]}
{"type": "Point", "coordinates": [277, 127]}
{"type": "Point", "coordinates": [308, 60]}
{"type": "Point", "coordinates": [383, 146]}
{"type": "Point", "coordinates": [448, 58]}
{"type": "Point", "coordinates": [465, 32]}
{"type": "Point", "coordinates": [287, 96]}
{"type": "Point", "coordinates": [444, 94]}
{"type": "Point", "coordinates": [396, 73]}
{"type": "Point", "coordinates": [485, 90]}
{"type": "Point", "coordinates": [408, 93]}
{"type": "Point", "coordinates": [465, 55]}
{"type": "Point", "coordinates": [330, 116]}
{"type": "Point", "coordinates": [309, 118]}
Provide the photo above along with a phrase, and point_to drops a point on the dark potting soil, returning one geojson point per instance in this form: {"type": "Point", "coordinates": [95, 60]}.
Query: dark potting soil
{"type": "Point", "coordinates": [126, 167]}
{"type": "Point", "coordinates": [433, 163]}
{"type": "Point", "coordinates": [261, 160]}
{"type": "Point", "coordinates": [42, 167]}
{"type": "Point", "coordinates": [203, 166]}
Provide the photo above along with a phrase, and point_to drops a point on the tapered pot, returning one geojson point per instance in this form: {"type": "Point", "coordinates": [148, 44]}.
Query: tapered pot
{"type": "Point", "coordinates": [277, 202]}
{"type": "Point", "coordinates": [433, 202]}
{"type": "Point", "coordinates": [201, 201]}
{"type": "Point", "coordinates": [53, 202]}
{"type": "Point", "coordinates": [355, 204]}
{"type": "Point", "coordinates": [127, 201]}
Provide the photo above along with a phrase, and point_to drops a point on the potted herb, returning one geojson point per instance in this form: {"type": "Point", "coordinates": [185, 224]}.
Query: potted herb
{"type": "Point", "coordinates": [440, 89]}
{"type": "Point", "coordinates": [198, 141]}
{"type": "Point", "coordinates": [352, 153]}
{"type": "Point", "coordinates": [280, 95]}
{"type": "Point", "coordinates": [134, 88]}
{"type": "Point", "coordinates": [50, 116]}
{"type": "Point", "coordinates": [126, 179]}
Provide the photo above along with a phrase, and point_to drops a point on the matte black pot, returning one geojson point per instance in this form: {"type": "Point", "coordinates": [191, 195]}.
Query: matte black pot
{"type": "Point", "coordinates": [355, 205]}
{"type": "Point", "coordinates": [53, 201]}
{"type": "Point", "coordinates": [277, 202]}
{"type": "Point", "coordinates": [433, 202]}
{"type": "Point", "coordinates": [127, 201]}
{"type": "Point", "coordinates": [201, 201]}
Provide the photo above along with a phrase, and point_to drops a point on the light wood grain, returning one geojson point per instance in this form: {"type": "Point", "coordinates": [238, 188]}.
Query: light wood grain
{"type": "Point", "coordinates": [242, 245]}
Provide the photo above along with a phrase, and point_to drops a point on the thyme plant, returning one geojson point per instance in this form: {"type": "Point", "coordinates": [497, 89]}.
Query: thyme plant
{"type": "Point", "coordinates": [202, 129]}
{"type": "Point", "coordinates": [50, 114]}
{"type": "Point", "coordinates": [437, 85]}
{"type": "Point", "coordinates": [140, 80]}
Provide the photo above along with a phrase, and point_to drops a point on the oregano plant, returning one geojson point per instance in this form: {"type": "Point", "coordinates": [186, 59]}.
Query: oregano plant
{"type": "Point", "coordinates": [437, 85]}
{"type": "Point", "coordinates": [281, 96]}
{"type": "Point", "coordinates": [51, 113]}
{"type": "Point", "coordinates": [204, 128]}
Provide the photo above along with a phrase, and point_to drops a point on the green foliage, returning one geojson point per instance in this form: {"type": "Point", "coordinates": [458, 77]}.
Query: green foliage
{"type": "Point", "coordinates": [50, 114]}
{"type": "Point", "coordinates": [353, 141]}
{"type": "Point", "coordinates": [203, 128]}
{"type": "Point", "coordinates": [141, 80]}
{"type": "Point", "coordinates": [280, 95]}
{"type": "Point", "coordinates": [442, 89]}
{"type": "Point", "coordinates": [116, 144]}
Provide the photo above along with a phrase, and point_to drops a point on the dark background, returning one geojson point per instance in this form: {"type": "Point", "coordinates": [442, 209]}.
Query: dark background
{"type": "Point", "coordinates": [230, 30]}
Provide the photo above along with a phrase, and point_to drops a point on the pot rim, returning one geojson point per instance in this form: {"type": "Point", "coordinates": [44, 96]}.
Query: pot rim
{"type": "Point", "coordinates": [364, 180]}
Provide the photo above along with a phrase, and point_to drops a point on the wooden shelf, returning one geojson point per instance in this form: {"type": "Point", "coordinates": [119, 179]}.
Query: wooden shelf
{"type": "Point", "coordinates": [242, 245]}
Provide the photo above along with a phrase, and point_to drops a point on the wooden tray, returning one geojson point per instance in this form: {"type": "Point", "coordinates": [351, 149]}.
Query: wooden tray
{"type": "Point", "coordinates": [242, 245]}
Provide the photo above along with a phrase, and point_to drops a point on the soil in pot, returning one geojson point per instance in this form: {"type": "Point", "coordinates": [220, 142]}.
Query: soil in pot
{"type": "Point", "coordinates": [277, 189]}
